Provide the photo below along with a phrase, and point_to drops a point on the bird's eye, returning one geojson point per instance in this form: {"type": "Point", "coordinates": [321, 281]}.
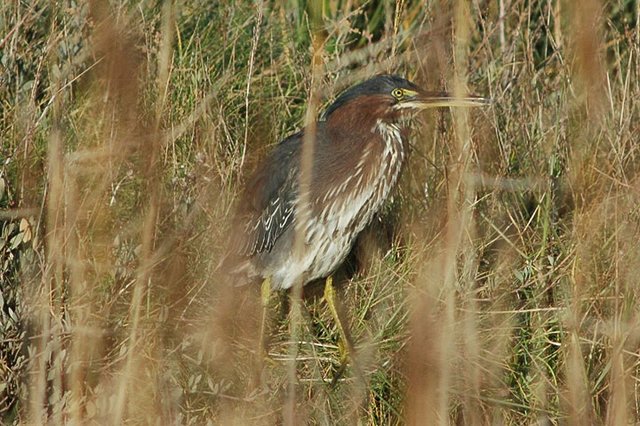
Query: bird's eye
{"type": "Point", "coordinates": [397, 93]}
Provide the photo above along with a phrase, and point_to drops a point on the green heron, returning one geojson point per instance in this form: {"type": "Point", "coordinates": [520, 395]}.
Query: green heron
{"type": "Point", "coordinates": [360, 147]}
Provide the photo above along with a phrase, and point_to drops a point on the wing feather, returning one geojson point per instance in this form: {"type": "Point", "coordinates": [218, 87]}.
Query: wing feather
{"type": "Point", "coordinates": [268, 208]}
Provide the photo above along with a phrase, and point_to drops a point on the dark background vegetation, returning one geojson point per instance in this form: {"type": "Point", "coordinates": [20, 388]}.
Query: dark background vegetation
{"type": "Point", "coordinates": [499, 286]}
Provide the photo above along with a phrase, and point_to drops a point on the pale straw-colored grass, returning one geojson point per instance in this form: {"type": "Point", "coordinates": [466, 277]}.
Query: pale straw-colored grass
{"type": "Point", "coordinates": [499, 286]}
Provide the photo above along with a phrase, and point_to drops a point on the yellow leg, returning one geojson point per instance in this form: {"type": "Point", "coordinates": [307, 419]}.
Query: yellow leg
{"type": "Point", "coordinates": [265, 296]}
{"type": "Point", "coordinates": [347, 350]}
{"type": "Point", "coordinates": [345, 341]}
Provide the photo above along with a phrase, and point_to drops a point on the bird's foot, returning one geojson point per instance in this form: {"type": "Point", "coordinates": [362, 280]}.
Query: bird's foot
{"type": "Point", "coordinates": [346, 348]}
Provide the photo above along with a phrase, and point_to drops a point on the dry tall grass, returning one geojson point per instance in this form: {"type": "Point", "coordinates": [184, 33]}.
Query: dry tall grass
{"type": "Point", "coordinates": [500, 286]}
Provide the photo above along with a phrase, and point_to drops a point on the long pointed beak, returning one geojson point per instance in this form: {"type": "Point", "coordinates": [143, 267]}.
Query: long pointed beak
{"type": "Point", "coordinates": [424, 100]}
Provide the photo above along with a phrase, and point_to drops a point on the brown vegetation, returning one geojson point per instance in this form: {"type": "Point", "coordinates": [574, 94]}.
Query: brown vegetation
{"type": "Point", "coordinates": [499, 287]}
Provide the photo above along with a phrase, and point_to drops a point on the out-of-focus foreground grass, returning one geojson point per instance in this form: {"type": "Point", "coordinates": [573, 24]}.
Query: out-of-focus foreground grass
{"type": "Point", "coordinates": [499, 286]}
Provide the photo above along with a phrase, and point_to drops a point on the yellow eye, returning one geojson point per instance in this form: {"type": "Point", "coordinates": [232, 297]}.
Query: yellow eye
{"type": "Point", "coordinates": [397, 93]}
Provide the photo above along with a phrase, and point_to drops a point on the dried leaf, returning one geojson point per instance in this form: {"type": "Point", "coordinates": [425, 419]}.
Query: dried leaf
{"type": "Point", "coordinates": [25, 228]}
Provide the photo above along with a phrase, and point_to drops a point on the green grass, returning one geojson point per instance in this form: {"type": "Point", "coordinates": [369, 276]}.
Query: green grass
{"type": "Point", "coordinates": [499, 286]}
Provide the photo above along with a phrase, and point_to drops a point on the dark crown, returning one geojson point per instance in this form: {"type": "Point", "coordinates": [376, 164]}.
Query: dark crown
{"type": "Point", "coordinates": [379, 85]}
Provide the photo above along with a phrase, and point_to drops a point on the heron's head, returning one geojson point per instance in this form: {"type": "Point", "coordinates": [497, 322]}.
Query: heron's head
{"type": "Point", "coordinates": [388, 97]}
